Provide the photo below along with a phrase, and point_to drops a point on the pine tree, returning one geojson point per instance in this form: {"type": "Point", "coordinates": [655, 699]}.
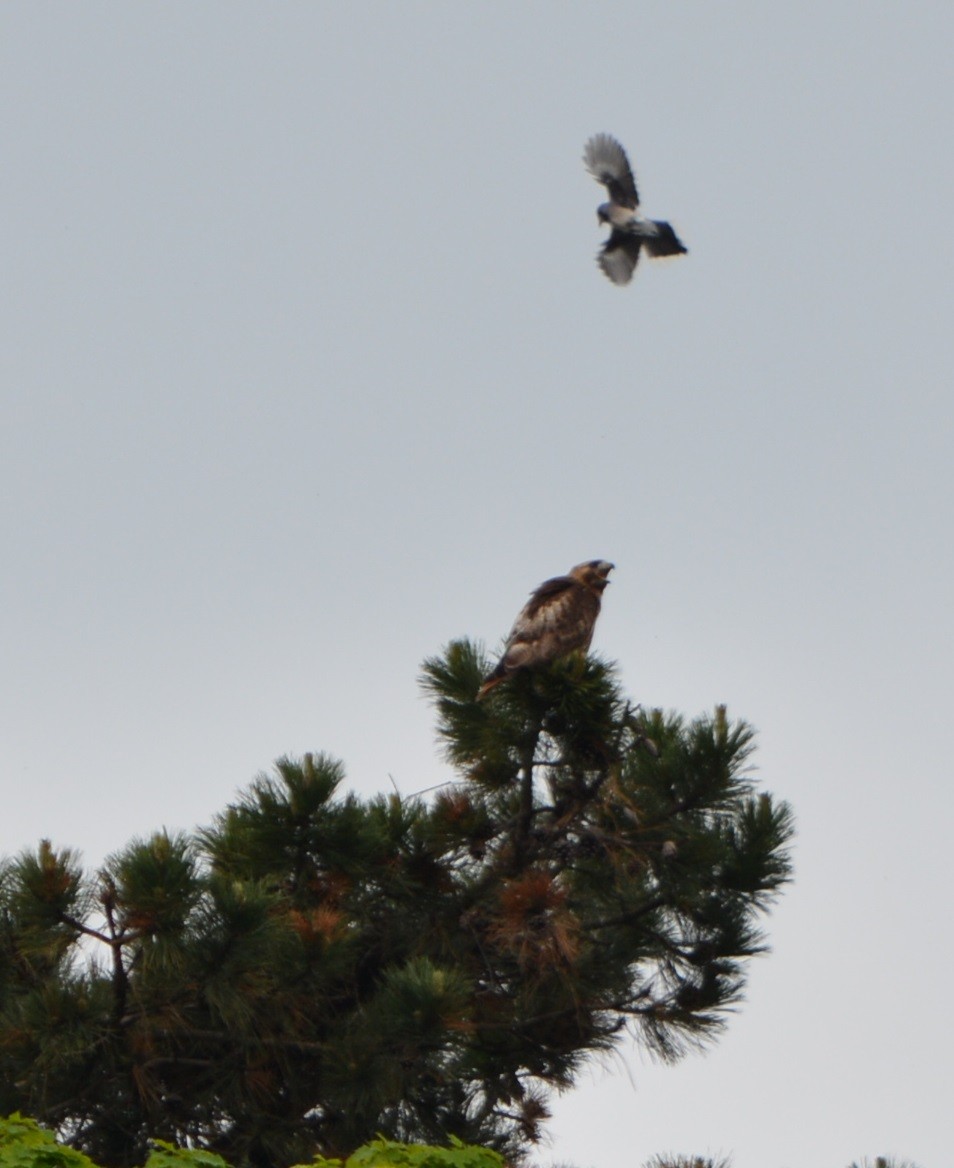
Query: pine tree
{"type": "Point", "coordinates": [883, 1162]}
{"type": "Point", "coordinates": [314, 969]}
{"type": "Point", "coordinates": [688, 1162]}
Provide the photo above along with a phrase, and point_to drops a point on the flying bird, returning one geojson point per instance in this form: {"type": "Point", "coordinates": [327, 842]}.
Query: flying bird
{"type": "Point", "coordinates": [558, 619]}
{"type": "Point", "coordinates": [606, 161]}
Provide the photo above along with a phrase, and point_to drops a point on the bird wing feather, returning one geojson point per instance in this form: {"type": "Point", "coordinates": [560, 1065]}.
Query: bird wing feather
{"type": "Point", "coordinates": [558, 618]}
{"type": "Point", "coordinates": [620, 255]}
{"type": "Point", "coordinates": [606, 161]}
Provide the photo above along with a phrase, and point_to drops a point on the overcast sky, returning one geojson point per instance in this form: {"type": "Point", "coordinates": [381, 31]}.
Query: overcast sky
{"type": "Point", "coordinates": [307, 368]}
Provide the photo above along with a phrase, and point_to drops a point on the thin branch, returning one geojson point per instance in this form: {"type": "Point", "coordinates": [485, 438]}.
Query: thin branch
{"type": "Point", "coordinates": [630, 916]}
{"type": "Point", "coordinates": [73, 923]}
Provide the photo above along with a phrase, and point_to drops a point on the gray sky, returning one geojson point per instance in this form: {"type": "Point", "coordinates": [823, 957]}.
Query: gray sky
{"type": "Point", "coordinates": [307, 368]}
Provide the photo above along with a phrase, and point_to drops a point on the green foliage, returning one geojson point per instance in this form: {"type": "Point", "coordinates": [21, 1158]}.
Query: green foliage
{"type": "Point", "coordinates": [166, 1155]}
{"type": "Point", "coordinates": [314, 969]}
{"type": "Point", "coordinates": [24, 1144]}
{"type": "Point", "coordinates": [381, 1153]}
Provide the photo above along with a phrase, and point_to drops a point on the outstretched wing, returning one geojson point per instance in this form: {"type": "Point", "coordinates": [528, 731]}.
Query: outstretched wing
{"type": "Point", "coordinates": [606, 161]}
{"type": "Point", "coordinates": [620, 255]}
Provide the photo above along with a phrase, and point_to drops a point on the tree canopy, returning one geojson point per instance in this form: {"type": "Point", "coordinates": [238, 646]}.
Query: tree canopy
{"type": "Point", "coordinates": [314, 969]}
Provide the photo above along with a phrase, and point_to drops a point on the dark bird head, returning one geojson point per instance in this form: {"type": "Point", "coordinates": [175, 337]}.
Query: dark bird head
{"type": "Point", "coordinates": [602, 214]}
{"type": "Point", "coordinates": [593, 574]}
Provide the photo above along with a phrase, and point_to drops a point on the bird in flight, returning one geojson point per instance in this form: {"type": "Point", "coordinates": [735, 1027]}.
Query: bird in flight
{"type": "Point", "coordinates": [557, 620]}
{"type": "Point", "coordinates": [606, 161]}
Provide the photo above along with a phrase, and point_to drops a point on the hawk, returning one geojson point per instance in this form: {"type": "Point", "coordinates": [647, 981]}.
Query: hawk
{"type": "Point", "coordinates": [606, 161]}
{"type": "Point", "coordinates": [557, 619]}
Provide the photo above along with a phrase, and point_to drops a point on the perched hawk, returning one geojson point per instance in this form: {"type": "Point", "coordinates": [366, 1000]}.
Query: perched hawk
{"type": "Point", "coordinates": [607, 162]}
{"type": "Point", "coordinates": [557, 619]}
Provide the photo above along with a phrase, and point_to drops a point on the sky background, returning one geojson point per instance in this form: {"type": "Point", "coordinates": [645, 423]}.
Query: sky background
{"type": "Point", "coordinates": [306, 368]}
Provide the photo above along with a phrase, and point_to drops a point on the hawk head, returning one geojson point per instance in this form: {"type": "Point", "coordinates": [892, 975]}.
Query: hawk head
{"type": "Point", "coordinates": [593, 574]}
